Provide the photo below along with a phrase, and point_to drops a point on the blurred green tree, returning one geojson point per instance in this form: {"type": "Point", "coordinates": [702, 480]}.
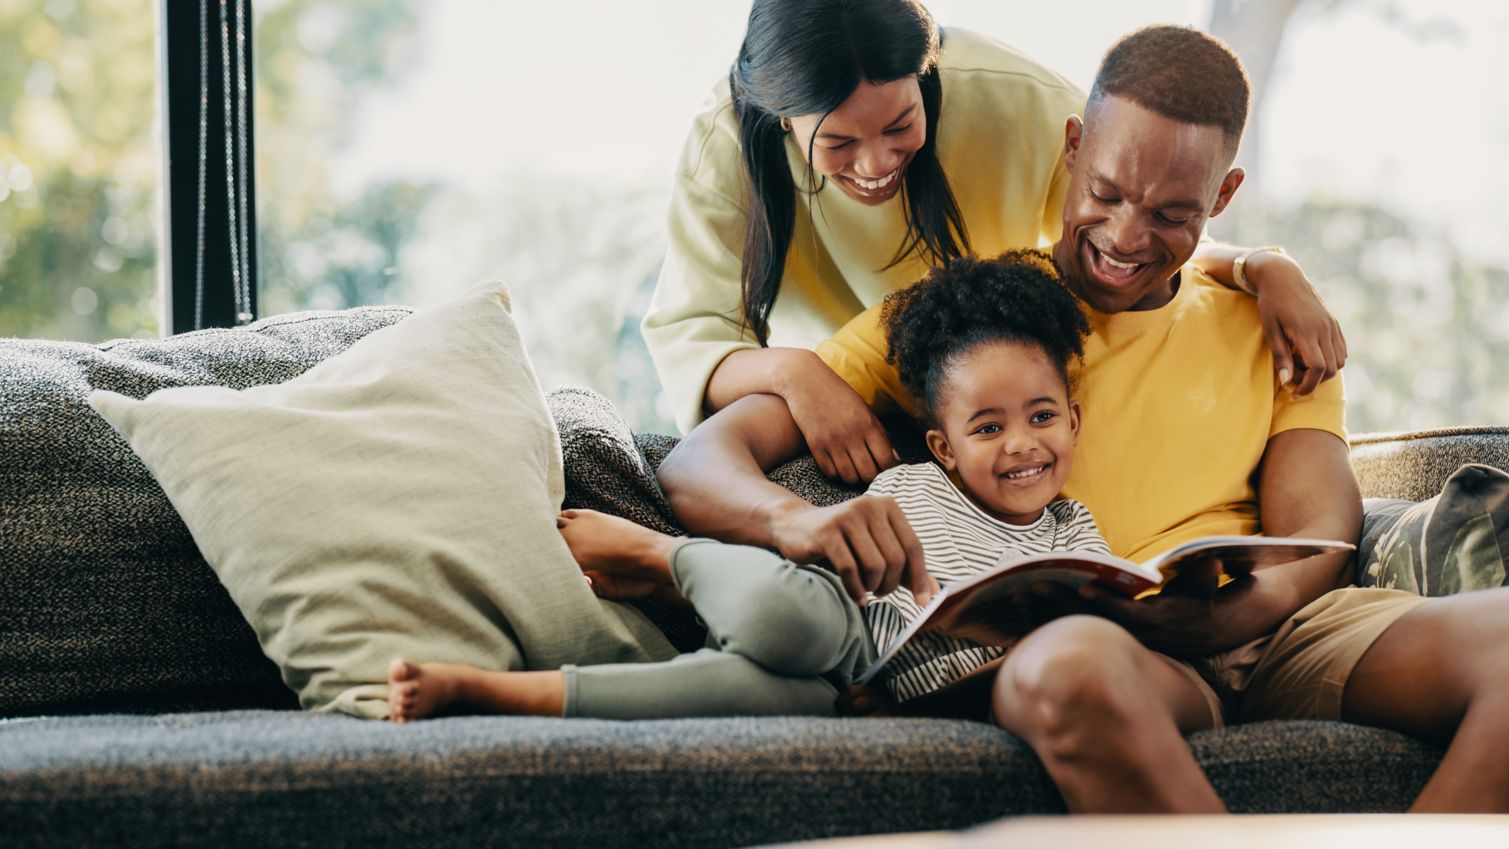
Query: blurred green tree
{"type": "Point", "coordinates": [78, 169]}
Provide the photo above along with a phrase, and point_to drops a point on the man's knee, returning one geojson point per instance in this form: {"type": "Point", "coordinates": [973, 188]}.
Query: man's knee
{"type": "Point", "coordinates": [1068, 681]}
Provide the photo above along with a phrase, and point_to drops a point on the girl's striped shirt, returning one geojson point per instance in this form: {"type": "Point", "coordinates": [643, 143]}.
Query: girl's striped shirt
{"type": "Point", "coordinates": [959, 540]}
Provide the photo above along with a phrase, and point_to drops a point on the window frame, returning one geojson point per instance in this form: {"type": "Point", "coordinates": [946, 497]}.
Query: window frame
{"type": "Point", "coordinates": [209, 220]}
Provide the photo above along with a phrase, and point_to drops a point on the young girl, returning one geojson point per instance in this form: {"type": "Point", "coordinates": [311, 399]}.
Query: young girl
{"type": "Point", "coordinates": [988, 346]}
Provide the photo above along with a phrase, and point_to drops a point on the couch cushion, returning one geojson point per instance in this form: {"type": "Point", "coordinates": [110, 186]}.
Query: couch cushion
{"type": "Point", "coordinates": [1454, 542]}
{"type": "Point", "coordinates": [105, 602]}
{"type": "Point", "coordinates": [270, 779]}
{"type": "Point", "coordinates": [399, 498]}
{"type": "Point", "coordinates": [1414, 466]}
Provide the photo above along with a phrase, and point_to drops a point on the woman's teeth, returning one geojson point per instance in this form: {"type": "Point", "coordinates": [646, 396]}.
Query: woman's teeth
{"type": "Point", "coordinates": [873, 185]}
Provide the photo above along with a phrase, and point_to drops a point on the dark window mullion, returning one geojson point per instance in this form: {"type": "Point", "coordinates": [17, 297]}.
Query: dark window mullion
{"type": "Point", "coordinates": [194, 65]}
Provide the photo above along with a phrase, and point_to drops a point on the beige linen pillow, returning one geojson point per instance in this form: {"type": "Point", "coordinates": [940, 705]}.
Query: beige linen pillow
{"type": "Point", "coordinates": [398, 498]}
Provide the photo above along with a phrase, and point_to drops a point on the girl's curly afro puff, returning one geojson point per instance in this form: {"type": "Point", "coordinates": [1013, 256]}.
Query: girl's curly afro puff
{"type": "Point", "coordinates": [1016, 297]}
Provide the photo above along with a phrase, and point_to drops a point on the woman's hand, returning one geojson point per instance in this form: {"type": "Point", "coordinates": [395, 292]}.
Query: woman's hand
{"type": "Point", "coordinates": [842, 434]}
{"type": "Point", "coordinates": [845, 438]}
{"type": "Point", "coordinates": [1307, 342]}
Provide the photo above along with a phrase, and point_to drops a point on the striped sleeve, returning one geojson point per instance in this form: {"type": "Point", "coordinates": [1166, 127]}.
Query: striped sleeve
{"type": "Point", "coordinates": [1077, 530]}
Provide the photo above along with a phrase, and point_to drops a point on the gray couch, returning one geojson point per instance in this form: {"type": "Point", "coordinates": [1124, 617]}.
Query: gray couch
{"type": "Point", "coordinates": [136, 707]}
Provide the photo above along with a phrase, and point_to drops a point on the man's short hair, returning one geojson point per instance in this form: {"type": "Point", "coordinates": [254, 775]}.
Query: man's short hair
{"type": "Point", "coordinates": [1180, 73]}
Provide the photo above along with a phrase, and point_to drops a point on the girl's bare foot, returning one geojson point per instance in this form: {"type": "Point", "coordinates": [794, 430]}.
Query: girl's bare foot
{"type": "Point", "coordinates": [418, 690]}
{"type": "Point", "coordinates": [616, 548]}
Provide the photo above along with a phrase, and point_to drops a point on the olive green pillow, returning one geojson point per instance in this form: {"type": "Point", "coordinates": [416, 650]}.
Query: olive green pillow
{"type": "Point", "coordinates": [1455, 542]}
{"type": "Point", "coordinates": [397, 498]}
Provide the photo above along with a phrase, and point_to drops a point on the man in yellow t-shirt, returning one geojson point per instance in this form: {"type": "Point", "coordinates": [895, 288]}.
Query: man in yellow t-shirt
{"type": "Point", "coordinates": [1184, 433]}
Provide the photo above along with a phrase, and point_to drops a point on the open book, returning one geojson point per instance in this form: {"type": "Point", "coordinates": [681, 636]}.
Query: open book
{"type": "Point", "coordinates": [984, 609]}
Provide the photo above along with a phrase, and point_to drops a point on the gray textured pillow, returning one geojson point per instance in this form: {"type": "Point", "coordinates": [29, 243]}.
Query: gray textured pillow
{"type": "Point", "coordinates": [1455, 542]}
{"type": "Point", "coordinates": [105, 601]}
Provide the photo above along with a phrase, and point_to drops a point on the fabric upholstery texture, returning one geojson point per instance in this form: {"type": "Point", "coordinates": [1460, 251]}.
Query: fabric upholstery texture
{"type": "Point", "coordinates": [1454, 542]}
{"type": "Point", "coordinates": [105, 601]}
{"type": "Point", "coordinates": [398, 498]}
{"type": "Point", "coordinates": [269, 778]}
{"type": "Point", "coordinates": [1414, 466]}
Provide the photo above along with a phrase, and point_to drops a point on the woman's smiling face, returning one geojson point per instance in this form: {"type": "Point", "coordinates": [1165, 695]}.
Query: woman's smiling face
{"type": "Point", "coordinates": [865, 145]}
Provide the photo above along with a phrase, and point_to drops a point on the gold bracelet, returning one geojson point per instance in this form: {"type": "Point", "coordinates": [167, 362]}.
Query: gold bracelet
{"type": "Point", "coordinates": [1239, 267]}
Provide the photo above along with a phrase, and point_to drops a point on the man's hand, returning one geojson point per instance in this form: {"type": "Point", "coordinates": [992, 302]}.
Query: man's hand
{"type": "Point", "coordinates": [866, 540]}
{"type": "Point", "coordinates": [1191, 617]}
{"type": "Point", "coordinates": [1307, 342]}
{"type": "Point", "coordinates": [845, 438]}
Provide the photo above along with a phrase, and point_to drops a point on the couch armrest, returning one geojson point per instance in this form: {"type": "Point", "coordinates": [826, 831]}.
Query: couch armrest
{"type": "Point", "coordinates": [1414, 465]}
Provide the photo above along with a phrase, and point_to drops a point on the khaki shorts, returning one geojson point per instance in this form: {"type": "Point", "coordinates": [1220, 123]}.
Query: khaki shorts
{"type": "Point", "coordinates": [1300, 671]}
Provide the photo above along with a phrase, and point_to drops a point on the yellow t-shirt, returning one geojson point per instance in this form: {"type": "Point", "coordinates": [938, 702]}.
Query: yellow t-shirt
{"type": "Point", "coordinates": [1178, 406]}
{"type": "Point", "coordinates": [999, 136]}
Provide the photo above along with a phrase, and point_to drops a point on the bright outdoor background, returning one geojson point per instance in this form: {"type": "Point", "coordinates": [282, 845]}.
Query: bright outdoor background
{"type": "Point", "coordinates": [408, 149]}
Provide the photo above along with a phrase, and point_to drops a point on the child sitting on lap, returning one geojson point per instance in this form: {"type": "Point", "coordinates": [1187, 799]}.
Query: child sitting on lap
{"type": "Point", "coordinates": [988, 346]}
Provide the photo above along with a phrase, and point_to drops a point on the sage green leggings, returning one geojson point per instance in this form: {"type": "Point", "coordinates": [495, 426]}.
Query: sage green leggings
{"type": "Point", "coordinates": [782, 639]}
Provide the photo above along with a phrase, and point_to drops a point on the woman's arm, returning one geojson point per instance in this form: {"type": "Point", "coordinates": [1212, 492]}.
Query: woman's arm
{"type": "Point", "coordinates": [843, 434]}
{"type": "Point", "coordinates": [1307, 342]}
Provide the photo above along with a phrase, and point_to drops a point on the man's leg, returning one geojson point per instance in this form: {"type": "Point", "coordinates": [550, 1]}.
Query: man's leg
{"type": "Point", "coordinates": [1441, 672]}
{"type": "Point", "coordinates": [1106, 716]}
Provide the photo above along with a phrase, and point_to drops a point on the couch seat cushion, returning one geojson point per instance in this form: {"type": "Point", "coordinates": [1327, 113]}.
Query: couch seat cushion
{"type": "Point", "coordinates": [272, 778]}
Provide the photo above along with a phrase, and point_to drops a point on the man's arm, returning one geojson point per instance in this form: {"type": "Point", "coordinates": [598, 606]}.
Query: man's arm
{"type": "Point", "coordinates": [1306, 488]}
{"type": "Point", "coordinates": [715, 481]}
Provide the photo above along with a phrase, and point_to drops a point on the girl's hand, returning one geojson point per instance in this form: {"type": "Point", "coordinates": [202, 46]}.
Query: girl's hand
{"type": "Point", "coordinates": [1307, 342]}
{"type": "Point", "coordinates": [845, 438]}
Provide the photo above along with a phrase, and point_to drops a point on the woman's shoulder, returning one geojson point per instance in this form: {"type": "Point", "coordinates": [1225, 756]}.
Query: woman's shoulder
{"type": "Point", "coordinates": [975, 61]}
{"type": "Point", "coordinates": [711, 151]}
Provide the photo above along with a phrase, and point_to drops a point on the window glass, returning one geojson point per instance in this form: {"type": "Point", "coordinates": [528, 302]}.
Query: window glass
{"type": "Point", "coordinates": [80, 164]}
{"type": "Point", "coordinates": [406, 150]}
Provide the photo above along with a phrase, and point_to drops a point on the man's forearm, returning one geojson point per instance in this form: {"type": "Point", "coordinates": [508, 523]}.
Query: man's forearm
{"type": "Point", "coordinates": [1279, 592]}
{"type": "Point", "coordinates": [715, 478]}
{"type": "Point", "coordinates": [1306, 489]}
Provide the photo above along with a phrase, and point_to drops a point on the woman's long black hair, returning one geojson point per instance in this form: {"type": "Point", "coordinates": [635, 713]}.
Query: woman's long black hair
{"type": "Point", "coordinates": [805, 57]}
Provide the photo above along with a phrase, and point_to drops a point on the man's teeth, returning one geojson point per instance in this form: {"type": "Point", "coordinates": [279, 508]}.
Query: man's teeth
{"type": "Point", "coordinates": [872, 185]}
{"type": "Point", "coordinates": [1125, 266]}
{"type": "Point", "coordinates": [1025, 473]}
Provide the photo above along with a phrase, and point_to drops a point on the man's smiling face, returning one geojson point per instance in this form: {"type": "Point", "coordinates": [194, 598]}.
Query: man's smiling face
{"type": "Point", "coordinates": [1141, 186]}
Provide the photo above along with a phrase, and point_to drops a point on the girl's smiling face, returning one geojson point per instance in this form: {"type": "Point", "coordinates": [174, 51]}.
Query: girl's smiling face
{"type": "Point", "coordinates": [1006, 427]}
{"type": "Point", "coordinates": [865, 145]}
